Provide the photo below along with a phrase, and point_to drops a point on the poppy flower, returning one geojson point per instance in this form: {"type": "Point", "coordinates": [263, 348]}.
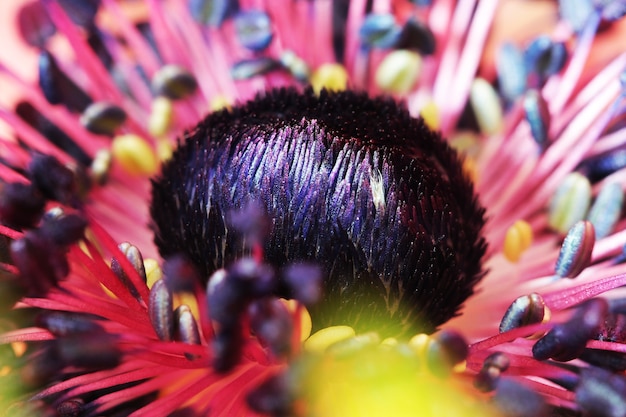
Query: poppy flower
{"type": "Point", "coordinates": [314, 208]}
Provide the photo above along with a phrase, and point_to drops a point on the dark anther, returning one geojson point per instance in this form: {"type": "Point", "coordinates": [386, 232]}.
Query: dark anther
{"type": "Point", "coordinates": [54, 180]}
{"type": "Point", "coordinates": [41, 263]}
{"type": "Point", "coordinates": [446, 349]}
{"type": "Point", "coordinates": [93, 351]}
{"type": "Point", "coordinates": [252, 279]}
{"type": "Point", "coordinates": [303, 282]}
{"type": "Point", "coordinates": [516, 400]}
{"type": "Point", "coordinates": [57, 87]}
{"type": "Point", "coordinates": [61, 323]}
{"type": "Point", "coordinates": [492, 369]}
{"type": "Point", "coordinates": [566, 341]}
{"type": "Point", "coordinates": [544, 58]}
{"type": "Point", "coordinates": [416, 35]}
{"type": "Point", "coordinates": [34, 24]}
{"type": "Point", "coordinates": [174, 82]}
{"type": "Point", "coordinates": [21, 205]}
{"type": "Point", "coordinates": [272, 323]}
{"type": "Point", "coordinates": [352, 184]}
{"type": "Point", "coordinates": [64, 230]}
{"type": "Point", "coordinates": [186, 328]}
{"type": "Point", "coordinates": [103, 118]}
{"type": "Point", "coordinates": [613, 361]}
{"type": "Point", "coordinates": [82, 12]}
{"type": "Point", "coordinates": [51, 132]}
{"type": "Point", "coordinates": [601, 393]}
{"type": "Point", "coordinates": [273, 396]}
{"type": "Point", "coordinates": [70, 408]}
{"type": "Point", "coordinates": [525, 310]}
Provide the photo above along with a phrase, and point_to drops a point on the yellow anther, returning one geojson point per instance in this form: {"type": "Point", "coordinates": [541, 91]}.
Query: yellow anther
{"type": "Point", "coordinates": [134, 155]}
{"type": "Point", "coordinates": [518, 238]}
{"type": "Point", "coordinates": [153, 271]}
{"type": "Point", "coordinates": [570, 202]}
{"type": "Point", "coordinates": [470, 169]}
{"type": "Point", "coordinates": [322, 339]}
{"type": "Point", "coordinates": [486, 106]}
{"type": "Point", "coordinates": [430, 114]}
{"type": "Point", "coordinates": [329, 76]}
{"type": "Point", "coordinates": [188, 299]}
{"type": "Point", "coordinates": [390, 341]}
{"type": "Point", "coordinates": [419, 343]}
{"type": "Point", "coordinates": [100, 166]}
{"type": "Point", "coordinates": [306, 324]}
{"type": "Point", "coordinates": [398, 71]}
{"type": "Point", "coordinates": [460, 367]}
{"type": "Point", "coordinates": [220, 103]}
{"type": "Point", "coordinates": [165, 149]}
{"type": "Point", "coordinates": [160, 118]}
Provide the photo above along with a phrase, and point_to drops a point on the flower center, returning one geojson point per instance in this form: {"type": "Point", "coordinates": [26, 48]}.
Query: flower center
{"type": "Point", "coordinates": [351, 183]}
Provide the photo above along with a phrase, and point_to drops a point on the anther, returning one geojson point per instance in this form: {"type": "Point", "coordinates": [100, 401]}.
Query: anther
{"type": "Point", "coordinates": [398, 71]}
{"type": "Point", "coordinates": [606, 209]}
{"type": "Point", "coordinates": [57, 87]}
{"type": "Point", "coordinates": [511, 72]}
{"type": "Point", "coordinates": [186, 329]}
{"type": "Point", "coordinates": [418, 36]}
{"type": "Point", "coordinates": [379, 31]}
{"type": "Point", "coordinates": [54, 180]}
{"type": "Point", "coordinates": [103, 118]}
{"type": "Point", "coordinates": [486, 105]}
{"type": "Point", "coordinates": [21, 205]}
{"type": "Point", "coordinates": [63, 324]}
{"type": "Point", "coordinates": [253, 29]}
{"type": "Point", "coordinates": [518, 238]}
{"type": "Point", "coordinates": [160, 310]}
{"type": "Point", "coordinates": [567, 341]}
{"type": "Point", "coordinates": [575, 254]}
{"type": "Point", "coordinates": [446, 349]}
{"type": "Point", "coordinates": [537, 116]}
{"type": "Point", "coordinates": [493, 367]}
{"type": "Point", "coordinates": [174, 82]}
{"type": "Point", "coordinates": [569, 203]}
{"type": "Point", "coordinates": [332, 77]}
{"type": "Point", "coordinates": [249, 68]}
{"type": "Point", "coordinates": [601, 393]}
{"type": "Point", "coordinates": [134, 155]}
{"type": "Point", "coordinates": [160, 118]}
{"type": "Point", "coordinates": [516, 400]}
{"type": "Point", "coordinates": [525, 310]}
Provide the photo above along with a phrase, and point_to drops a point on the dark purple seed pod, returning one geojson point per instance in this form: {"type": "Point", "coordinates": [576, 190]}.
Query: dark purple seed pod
{"type": "Point", "coordinates": [513, 399]}
{"type": "Point", "coordinates": [303, 282]}
{"type": "Point", "coordinates": [57, 87]}
{"type": "Point", "coordinates": [161, 311]}
{"type": "Point", "coordinates": [272, 323]}
{"type": "Point", "coordinates": [21, 205]}
{"type": "Point", "coordinates": [446, 349]}
{"type": "Point", "coordinates": [273, 396]}
{"type": "Point", "coordinates": [353, 184]}
{"type": "Point", "coordinates": [54, 180]}
{"type": "Point", "coordinates": [601, 393]}
{"type": "Point", "coordinates": [566, 341]}
{"type": "Point", "coordinates": [62, 324]}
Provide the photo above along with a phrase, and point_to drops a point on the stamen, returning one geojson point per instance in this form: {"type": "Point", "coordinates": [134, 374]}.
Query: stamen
{"type": "Point", "coordinates": [333, 77]}
{"type": "Point", "coordinates": [538, 117]}
{"type": "Point", "coordinates": [575, 254]}
{"type": "Point", "coordinates": [103, 118]}
{"type": "Point", "coordinates": [398, 71]}
{"type": "Point", "coordinates": [211, 12]}
{"type": "Point", "coordinates": [295, 65]}
{"type": "Point", "coordinates": [253, 29]}
{"type": "Point", "coordinates": [160, 310]}
{"type": "Point", "coordinates": [570, 202]}
{"type": "Point", "coordinates": [486, 105]}
{"type": "Point", "coordinates": [418, 36]}
{"type": "Point", "coordinates": [161, 114]}
{"type": "Point", "coordinates": [606, 209]}
{"type": "Point", "coordinates": [379, 31]}
{"type": "Point", "coordinates": [249, 68]}
{"type": "Point", "coordinates": [518, 238]}
{"type": "Point", "coordinates": [524, 311]}
{"type": "Point", "coordinates": [57, 87]}
{"type": "Point", "coordinates": [322, 339]}
{"type": "Point", "coordinates": [186, 327]}
{"type": "Point", "coordinates": [601, 393]}
{"type": "Point", "coordinates": [511, 69]}
{"type": "Point", "coordinates": [174, 82]}
{"type": "Point", "coordinates": [21, 205]}
{"type": "Point", "coordinates": [134, 155]}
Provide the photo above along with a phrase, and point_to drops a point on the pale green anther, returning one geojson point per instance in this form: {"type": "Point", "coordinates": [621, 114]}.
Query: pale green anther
{"type": "Point", "coordinates": [606, 210]}
{"type": "Point", "coordinates": [486, 105]}
{"type": "Point", "coordinates": [570, 202]}
{"type": "Point", "coordinates": [398, 72]}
